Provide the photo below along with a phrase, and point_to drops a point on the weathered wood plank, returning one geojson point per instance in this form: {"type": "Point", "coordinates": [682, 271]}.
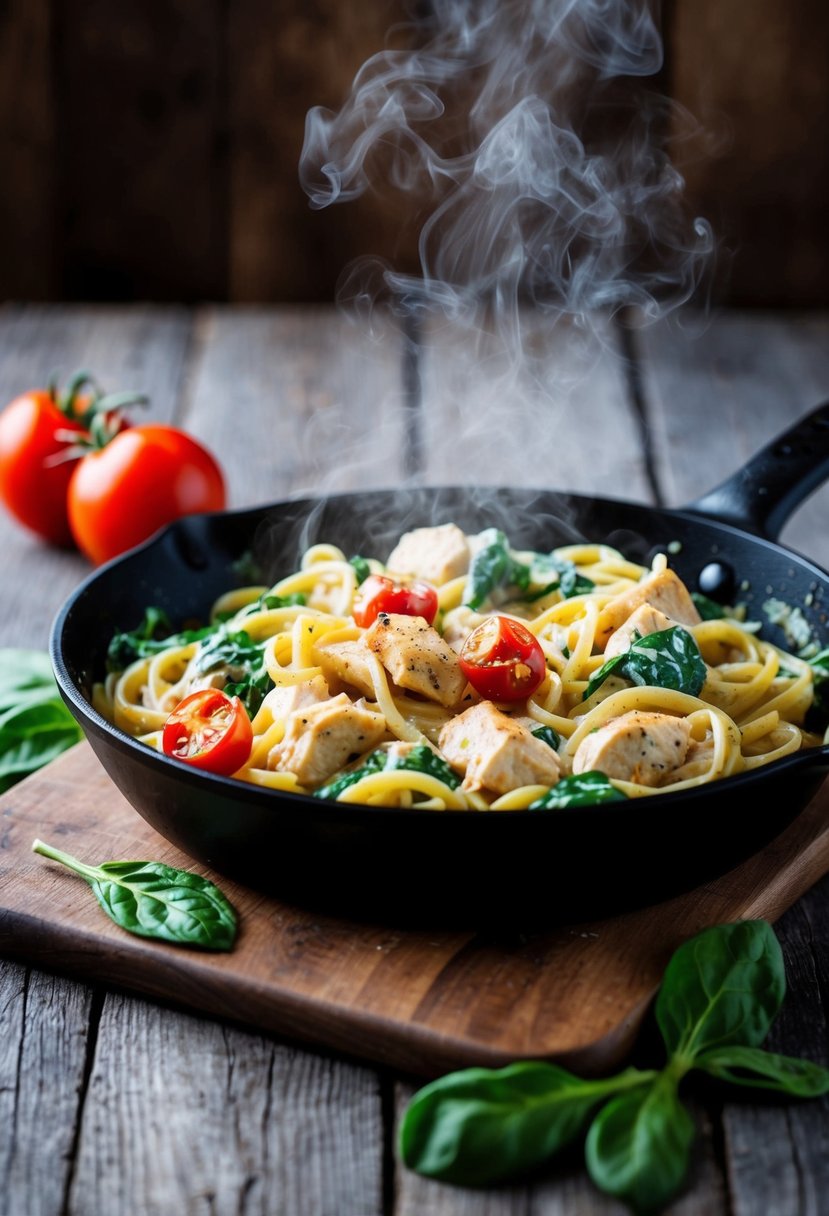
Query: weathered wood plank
{"type": "Point", "coordinates": [297, 400]}
{"type": "Point", "coordinates": [754, 79]}
{"type": "Point", "coordinates": [748, 376]}
{"type": "Point", "coordinates": [778, 1151]}
{"type": "Point", "coordinates": [140, 105]}
{"type": "Point", "coordinates": [27, 153]}
{"type": "Point", "coordinates": [129, 348]}
{"type": "Point", "coordinates": [282, 60]}
{"type": "Point", "coordinates": [202, 1118]}
{"type": "Point", "coordinates": [44, 1042]}
{"type": "Point", "coordinates": [549, 408]}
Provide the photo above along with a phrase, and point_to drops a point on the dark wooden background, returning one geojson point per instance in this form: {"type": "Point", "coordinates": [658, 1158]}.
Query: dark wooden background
{"type": "Point", "coordinates": [149, 148]}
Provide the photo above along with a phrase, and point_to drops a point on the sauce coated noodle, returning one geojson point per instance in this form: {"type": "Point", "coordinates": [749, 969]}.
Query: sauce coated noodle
{"type": "Point", "coordinates": [749, 711]}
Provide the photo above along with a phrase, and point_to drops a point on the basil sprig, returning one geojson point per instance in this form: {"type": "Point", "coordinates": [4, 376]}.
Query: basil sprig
{"type": "Point", "coordinates": [35, 724]}
{"type": "Point", "coordinates": [719, 996]}
{"type": "Point", "coordinates": [155, 900]}
{"type": "Point", "coordinates": [669, 658]}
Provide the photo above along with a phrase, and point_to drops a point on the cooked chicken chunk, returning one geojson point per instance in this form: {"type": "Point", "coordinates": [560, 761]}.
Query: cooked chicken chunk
{"type": "Point", "coordinates": [494, 752]}
{"type": "Point", "coordinates": [416, 657]}
{"type": "Point", "coordinates": [646, 619]}
{"type": "Point", "coordinates": [347, 663]}
{"type": "Point", "coordinates": [639, 746]}
{"type": "Point", "coordinates": [286, 698]}
{"type": "Point", "coordinates": [665, 591]}
{"type": "Point", "coordinates": [435, 554]}
{"type": "Point", "coordinates": [321, 739]}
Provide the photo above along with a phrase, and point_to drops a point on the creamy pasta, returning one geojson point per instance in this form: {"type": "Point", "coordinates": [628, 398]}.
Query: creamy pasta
{"type": "Point", "coordinates": [582, 603]}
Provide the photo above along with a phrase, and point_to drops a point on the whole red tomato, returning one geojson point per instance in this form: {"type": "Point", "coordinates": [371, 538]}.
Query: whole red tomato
{"type": "Point", "coordinates": [43, 434]}
{"type": "Point", "coordinates": [144, 478]}
{"type": "Point", "coordinates": [379, 593]}
{"type": "Point", "coordinates": [502, 660]}
{"type": "Point", "coordinates": [36, 463]}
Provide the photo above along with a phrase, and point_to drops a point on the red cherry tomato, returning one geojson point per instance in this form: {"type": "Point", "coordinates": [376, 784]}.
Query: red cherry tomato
{"type": "Point", "coordinates": [144, 478]}
{"type": "Point", "coordinates": [502, 660]}
{"type": "Point", "coordinates": [378, 593]}
{"type": "Point", "coordinates": [209, 730]}
{"type": "Point", "coordinates": [36, 465]}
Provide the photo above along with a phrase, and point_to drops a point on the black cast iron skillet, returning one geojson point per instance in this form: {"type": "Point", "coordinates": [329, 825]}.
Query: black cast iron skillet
{"type": "Point", "coordinates": [515, 868]}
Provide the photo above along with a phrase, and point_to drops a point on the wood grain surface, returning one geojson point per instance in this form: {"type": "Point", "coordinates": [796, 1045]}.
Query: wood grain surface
{"type": "Point", "coordinates": [425, 1001]}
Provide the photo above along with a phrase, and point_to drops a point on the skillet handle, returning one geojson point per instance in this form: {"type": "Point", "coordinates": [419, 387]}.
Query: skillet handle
{"type": "Point", "coordinates": [761, 496]}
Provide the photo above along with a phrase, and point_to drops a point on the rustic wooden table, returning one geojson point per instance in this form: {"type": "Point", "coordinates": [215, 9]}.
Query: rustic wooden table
{"type": "Point", "coordinates": [111, 1103]}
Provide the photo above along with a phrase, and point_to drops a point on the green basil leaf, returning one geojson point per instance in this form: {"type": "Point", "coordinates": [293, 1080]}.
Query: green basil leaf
{"type": "Point", "coordinates": [420, 759]}
{"type": "Point", "coordinates": [480, 1126]}
{"type": "Point", "coordinates": [669, 658]}
{"type": "Point", "coordinates": [722, 987]}
{"type": "Point", "coordinates": [579, 789]}
{"type": "Point", "coordinates": [155, 900]}
{"type": "Point", "coordinates": [639, 1145]}
{"type": "Point", "coordinates": [244, 662]}
{"type": "Point", "coordinates": [25, 675]}
{"type": "Point", "coordinates": [755, 1067]}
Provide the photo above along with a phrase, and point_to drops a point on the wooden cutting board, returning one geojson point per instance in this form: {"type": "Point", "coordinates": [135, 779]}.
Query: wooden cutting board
{"type": "Point", "coordinates": [424, 1002]}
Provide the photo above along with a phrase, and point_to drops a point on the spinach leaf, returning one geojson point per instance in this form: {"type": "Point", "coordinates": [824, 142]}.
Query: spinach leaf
{"type": "Point", "coordinates": [723, 987]}
{"type": "Point", "coordinates": [151, 636]}
{"type": "Point", "coordinates": [245, 660]}
{"type": "Point", "coordinates": [547, 572]}
{"type": "Point", "coordinates": [639, 1145]}
{"type": "Point", "coordinates": [494, 566]}
{"type": "Point", "coordinates": [421, 759]}
{"type": "Point", "coordinates": [765, 1070]}
{"type": "Point", "coordinates": [480, 1126]}
{"type": "Point", "coordinates": [361, 568]}
{"type": "Point", "coordinates": [296, 598]}
{"type": "Point", "coordinates": [719, 995]}
{"type": "Point", "coordinates": [818, 715]}
{"type": "Point", "coordinates": [151, 899]}
{"type": "Point", "coordinates": [35, 724]}
{"type": "Point", "coordinates": [488, 569]}
{"type": "Point", "coordinates": [708, 609]}
{"type": "Point", "coordinates": [547, 735]}
{"type": "Point", "coordinates": [579, 789]}
{"type": "Point", "coordinates": [669, 658]}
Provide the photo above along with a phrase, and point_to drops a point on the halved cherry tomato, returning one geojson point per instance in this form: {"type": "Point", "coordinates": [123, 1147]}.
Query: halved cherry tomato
{"type": "Point", "coordinates": [209, 730]}
{"type": "Point", "coordinates": [143, 478]}
{"type": "Point", "coordinates": [502, 660]}
{"type": "Point", "coordinates": [379, 593]}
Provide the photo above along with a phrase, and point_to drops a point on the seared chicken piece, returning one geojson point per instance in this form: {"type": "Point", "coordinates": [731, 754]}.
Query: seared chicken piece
{"type": "Point", "coordinates": [638, 746]}
{"type": "Point", "coordinates": [416, 657]}
{"type": "Point", "coordinates": [646, 619]}
{"type": "Point", "coordinates": [286, 698]}
{"type": "Point", "coordinates": [494, 752]}
{"type": "Point", "coordinates": [347, 663]}
{"type": "Point", "coordinates": [321, 739]}
{"type": "Point", "coordinates": [665, 591]}
{"type": "Point", "coordinates": [435, 554]}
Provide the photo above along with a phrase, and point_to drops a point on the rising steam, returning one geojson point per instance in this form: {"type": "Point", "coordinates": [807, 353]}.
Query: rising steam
{"type": "Point", "coordinates": [523, 130]}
